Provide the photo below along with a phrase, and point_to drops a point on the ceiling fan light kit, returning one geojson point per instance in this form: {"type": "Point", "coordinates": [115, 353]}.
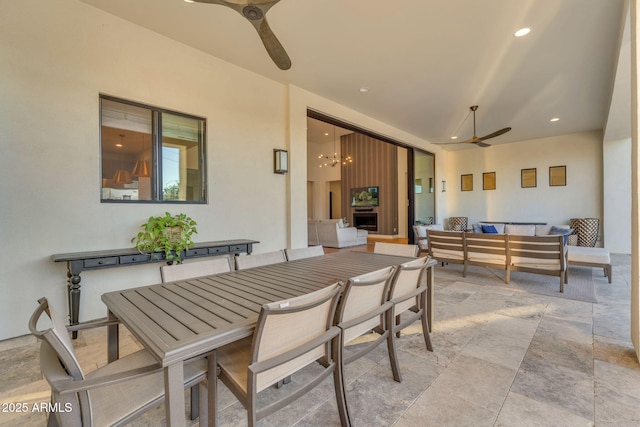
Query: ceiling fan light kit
{"type": "Point", "coordinates": [255, 12]}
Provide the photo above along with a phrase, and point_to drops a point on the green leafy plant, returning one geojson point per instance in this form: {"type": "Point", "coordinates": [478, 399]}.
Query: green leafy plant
{"type": "Point", "coordinates": [169, 234]}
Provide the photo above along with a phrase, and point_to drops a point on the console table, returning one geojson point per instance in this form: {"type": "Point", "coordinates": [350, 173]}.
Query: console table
{"type": "Point", "coordinates": [77, 262]}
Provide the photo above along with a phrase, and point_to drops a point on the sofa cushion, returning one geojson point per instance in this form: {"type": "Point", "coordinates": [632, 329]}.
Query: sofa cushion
{"type": "Point", "coordinates": [520, 229]}
{"type": "Point", "coordinates": [490, 229]}
{"type": "Point", "coordinates": [588, 255]}
{"type": "Point", "coordinates": [560, 231]}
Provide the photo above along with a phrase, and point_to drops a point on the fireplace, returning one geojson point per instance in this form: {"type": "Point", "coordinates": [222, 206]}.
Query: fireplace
{"type": "Point", "coordinates": [366, 220]}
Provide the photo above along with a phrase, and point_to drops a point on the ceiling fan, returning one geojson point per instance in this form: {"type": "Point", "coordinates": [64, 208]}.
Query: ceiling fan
{"type": "Point", "coordinates": [479, 141]}
{"type": "Point", "coordinates": [254, 11]}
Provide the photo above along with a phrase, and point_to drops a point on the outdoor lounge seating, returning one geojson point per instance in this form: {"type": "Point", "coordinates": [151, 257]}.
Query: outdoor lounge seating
{"type": "Point", "coordinates": [110, 395]}
{"type": "Point", "coordinates": [590, 257]}
{"type": "Point", "coordinates": [534, 254]}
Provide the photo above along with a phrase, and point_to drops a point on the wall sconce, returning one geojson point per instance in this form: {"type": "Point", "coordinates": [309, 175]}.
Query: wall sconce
{"type": "Point", "coordinates": [280, 161]}
{"type": "Point", "coordinates": [430, 185]}
{"type": "Point", "coordinates": [444, 186]}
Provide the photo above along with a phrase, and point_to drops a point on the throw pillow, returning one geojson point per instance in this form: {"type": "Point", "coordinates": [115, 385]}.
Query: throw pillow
{"type": "Point", "coordinates": [340, 223]}
{"type": "Point", "coordinates": [477, 227]}
{"type": "Point", "coordinates": [559, 231]}
{"type": "Point", "coordinates": [489, 229]}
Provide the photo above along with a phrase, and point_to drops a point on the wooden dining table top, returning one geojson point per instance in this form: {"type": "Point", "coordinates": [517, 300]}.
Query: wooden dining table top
{"type": "Point", "coordinates": [180, 320]}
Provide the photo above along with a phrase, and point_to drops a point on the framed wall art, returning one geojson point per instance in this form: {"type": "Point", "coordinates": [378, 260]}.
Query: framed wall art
{"type": "Point", "coordinates": [489, 181]}
{"type": "Point", "coordinates": [557, 176]}
{"type": "Point", "coordinates": [528, 178]}
{"type": "Point", "coordinates": [466, 182]}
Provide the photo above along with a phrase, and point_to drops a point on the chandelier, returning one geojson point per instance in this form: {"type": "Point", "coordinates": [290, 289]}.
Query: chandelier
{"type": "Point", "coordinates": [335, 159]}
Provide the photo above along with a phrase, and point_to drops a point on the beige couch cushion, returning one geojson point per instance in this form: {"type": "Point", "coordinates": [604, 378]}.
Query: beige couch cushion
{"type": "Point", "coordinates": [520, 229]}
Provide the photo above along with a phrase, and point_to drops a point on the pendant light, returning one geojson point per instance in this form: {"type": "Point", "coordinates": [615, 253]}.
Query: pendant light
{"type": "Point", "coordinates": [141, 169]}
{"type": "Point", "coordinates": [122, 176]}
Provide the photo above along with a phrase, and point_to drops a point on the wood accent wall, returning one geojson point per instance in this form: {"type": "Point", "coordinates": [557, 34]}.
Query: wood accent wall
{"type": "Point", "coordinates": [375, 163]}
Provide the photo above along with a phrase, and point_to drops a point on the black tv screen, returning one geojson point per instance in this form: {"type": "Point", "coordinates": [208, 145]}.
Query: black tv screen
{"type": "Point", "coordinates": [364, 196]}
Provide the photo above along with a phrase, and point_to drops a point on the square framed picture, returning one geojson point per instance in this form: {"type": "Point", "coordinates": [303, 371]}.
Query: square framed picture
{"type": "Point", "coordinates": [557, 176]}
{"type": "Point", "coordinates": [466, 182]}
{"type": "Point", "coordinates": [489, 181]}
{"type": "Point", "coordinates": [528, 178]}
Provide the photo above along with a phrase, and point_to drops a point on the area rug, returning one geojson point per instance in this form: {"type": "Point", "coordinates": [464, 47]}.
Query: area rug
{"type": "Point", "coordinates": [581, 285]}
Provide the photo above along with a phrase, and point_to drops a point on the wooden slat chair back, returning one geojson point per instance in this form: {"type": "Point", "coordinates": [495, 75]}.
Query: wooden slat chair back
{"type": "Point", "coordinates": [301, 253]}
{"type": "Point", "coordinates": [363, 307]}
{"type": "Point", "coordinates": [488, 250]}
{"type": "Point", "coordinates": [539, 254]}
{"type": "Point", "coordinates": [408, 293]}
{"type": "Point", "coordinates": [447, 247]}
{"type": "Point", "coordinates": [289, 335]}
{"type": "Point", "coordinates": [257, 260]}
{"type": "Point", "coordinates": [395, 249]}
{"type": "Point", "coordinates": [111, 395]}
{"type": "Point", "coordinates": [175, 272]}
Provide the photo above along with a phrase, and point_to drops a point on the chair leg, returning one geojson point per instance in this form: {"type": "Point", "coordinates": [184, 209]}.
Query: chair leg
{"type": "Point", "coordinates": [562, 279]}
{"type": "Point", "coordinates": [195, 402]}
{"type": "Point", "coordinates": [338, 381]}
{"type": "Point", "coordinates": [212, 389]}
{"type": "Point", "coordinates": [391, 347]}
{"type": "Point", "coordinates": [425, 321]}
{"type": "Point", "coordinates": [204, 399]}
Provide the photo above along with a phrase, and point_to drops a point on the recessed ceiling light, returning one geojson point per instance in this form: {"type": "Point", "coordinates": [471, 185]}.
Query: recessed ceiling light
{"type": "Point", "coordinates": [522, 32]}
{"type": "Point", "coordinates": [364, 89]}
{"type": "Point", "coordinates": [454, 137]}
{"type": "Point", "coordinates": [189, 1]}
{"type": "Point", "coordinates": [326, 134]}
{"type": "Point", "coordinates": [555, 119]}
{"type": "Point", "coordinates": [118, 145]}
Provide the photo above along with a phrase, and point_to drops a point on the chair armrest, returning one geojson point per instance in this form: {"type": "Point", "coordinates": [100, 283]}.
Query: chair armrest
{"type": "Point", "coordinates": [413, 294]}
{"type": "Point", "coordinates": [93, 324]}
{"type": "Point", "coordinates": [69, 386]}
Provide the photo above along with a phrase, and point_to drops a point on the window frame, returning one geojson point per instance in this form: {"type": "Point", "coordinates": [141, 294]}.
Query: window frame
{"type": "Point", "coordinates": [156, 154]}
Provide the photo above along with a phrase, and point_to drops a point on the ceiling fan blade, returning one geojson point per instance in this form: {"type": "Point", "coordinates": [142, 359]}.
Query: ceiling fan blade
{"type": "Point", "coordinates": [272, 44]}
{"type": "Point", "coordinates": [482, 144]}
{"type": "Point", "coordinates": [255, 12]}
{"type": "Point", "coordinates": [494, 134]}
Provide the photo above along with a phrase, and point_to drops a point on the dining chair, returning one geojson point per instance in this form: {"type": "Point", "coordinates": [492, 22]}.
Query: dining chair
{"type": "Point", "coordinates": [396, 249]}
{"type": "Point", "coordinates": [172, 273]}
{"type": "Point", "coordinates": [301, 253]}
{"type": "Point", "coordinates": [408, 294]}
{"type": "Point", "coordinates": [364, 307]}
{"type": "Point", "coordinates": [256, 260]}
{"type": "Point", "coordinates": [110, 395]}
{"type": "Point", "coordinates": [290, 335]}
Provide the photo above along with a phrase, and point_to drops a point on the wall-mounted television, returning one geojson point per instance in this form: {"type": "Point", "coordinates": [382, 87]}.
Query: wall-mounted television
{"type": "Point", "coordinates": [364, 197]}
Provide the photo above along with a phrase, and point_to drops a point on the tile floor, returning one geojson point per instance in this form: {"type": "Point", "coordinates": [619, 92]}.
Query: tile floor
{"type": "Point", "coordinates": [502, 357]}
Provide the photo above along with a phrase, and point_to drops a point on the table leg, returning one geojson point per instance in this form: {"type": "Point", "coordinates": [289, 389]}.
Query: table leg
{"type": "Point", "coordinates": [73, 290]}
{"type": "Point", "coordinates": [113, 339]}
{"type": "Point", "coordinates": [174, 390]}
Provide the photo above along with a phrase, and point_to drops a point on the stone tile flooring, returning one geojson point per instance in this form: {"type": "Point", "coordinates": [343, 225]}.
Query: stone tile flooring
{"type": "Point", "coordinates": [502, 357]}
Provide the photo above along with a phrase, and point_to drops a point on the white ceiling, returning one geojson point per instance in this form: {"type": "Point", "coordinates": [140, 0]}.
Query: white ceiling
{"type": "Point", "coordinates": [424, 61]}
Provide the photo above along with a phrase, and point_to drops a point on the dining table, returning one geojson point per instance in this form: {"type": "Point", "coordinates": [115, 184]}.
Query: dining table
{"type": "Point", "coordinates": [186, 319]}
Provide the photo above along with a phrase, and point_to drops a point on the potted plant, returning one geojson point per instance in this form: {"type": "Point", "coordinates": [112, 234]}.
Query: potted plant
{"type": "Point", "coordinates": [168, 234]}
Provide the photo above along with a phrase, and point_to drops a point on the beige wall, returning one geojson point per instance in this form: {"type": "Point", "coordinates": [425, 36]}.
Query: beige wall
{"type": "Point", "coordinates": [580, 198]}
{"type": "Point", "coordinates": [56, 57]}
